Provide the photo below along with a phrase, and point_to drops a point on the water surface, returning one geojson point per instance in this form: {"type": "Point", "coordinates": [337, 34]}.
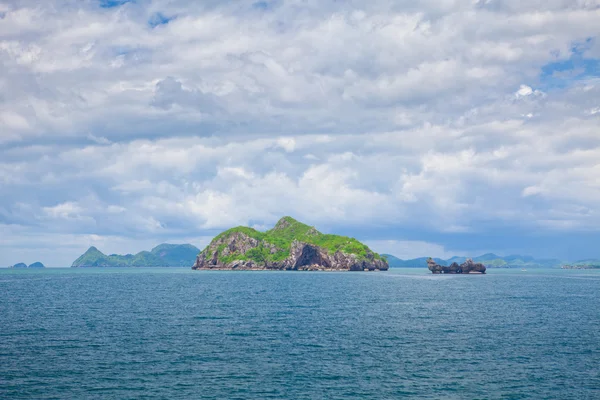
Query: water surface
{"type": "Point", "coordinates": [177, 333]}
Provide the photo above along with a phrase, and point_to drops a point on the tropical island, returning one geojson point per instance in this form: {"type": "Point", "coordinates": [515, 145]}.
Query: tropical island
{"type": "Point", "coordinates": [290, 245]}
{"type": "Point", "coordinates": [163, 255]}
{"type": "Point", "coordinates": [23, 265]}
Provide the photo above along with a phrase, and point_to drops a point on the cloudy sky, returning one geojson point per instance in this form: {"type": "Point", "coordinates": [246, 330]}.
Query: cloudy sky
{"type": "Point", "coordinates": [433, 127]}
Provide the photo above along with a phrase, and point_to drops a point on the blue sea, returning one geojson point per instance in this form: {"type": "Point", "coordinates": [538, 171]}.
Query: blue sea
{"type": "Point", "coordinates": [183, 334]}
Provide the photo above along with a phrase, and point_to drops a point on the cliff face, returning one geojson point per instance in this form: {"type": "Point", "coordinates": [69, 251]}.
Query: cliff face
{"type": "Point", "coordinates": [291, 245]}
{"type": "Point", "coordinates": [465, 268]}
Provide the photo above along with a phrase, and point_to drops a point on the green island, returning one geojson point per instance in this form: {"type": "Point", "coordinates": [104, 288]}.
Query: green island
{"type": "Point", "coordinates": [163, 255]}
{"type": "Point", "coordinates": [290, 245]}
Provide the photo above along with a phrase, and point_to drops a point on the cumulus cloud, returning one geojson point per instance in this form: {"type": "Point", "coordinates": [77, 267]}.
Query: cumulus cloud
{"type": "Point", "coordinates": [524, 90]}
{"type": "Point", "coordinates": [65, 210]}
{"type": "Point", "coordinates": [401, 121]}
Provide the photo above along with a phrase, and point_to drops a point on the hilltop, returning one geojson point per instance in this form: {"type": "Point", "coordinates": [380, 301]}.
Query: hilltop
{"type": "Point", "coordinates": [290, 245]}
{"type": "Point", "coordinates": [163, 255]}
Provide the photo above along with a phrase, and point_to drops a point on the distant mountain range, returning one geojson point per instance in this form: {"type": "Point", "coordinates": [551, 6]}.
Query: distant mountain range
{"type": "Point", "coordinates": [490, 260]}
{"type": "Point", "coordinates": [23, 265]}
{"type": "Point", "coordinates": [163, 255]}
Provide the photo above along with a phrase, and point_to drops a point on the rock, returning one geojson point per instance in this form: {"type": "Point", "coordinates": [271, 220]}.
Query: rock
{"type": "Point", "coordinates": [465, 268]}
{"type": "Point", "coordinates": [472, 267]}
{"type": "Point", "coordinates": [19, 265]}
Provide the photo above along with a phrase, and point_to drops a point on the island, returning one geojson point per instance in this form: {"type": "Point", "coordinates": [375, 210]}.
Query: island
{"type": "Point", "coordinates": [581, 266]}
{"type": "Point", "coordinates": [290, 245]}
{"type": "Point", "coordinates": [467, 267]}
{"type": "Point", "coordinates": [163, 255]}
{"type": "Point", "coordinates": [23, 265]}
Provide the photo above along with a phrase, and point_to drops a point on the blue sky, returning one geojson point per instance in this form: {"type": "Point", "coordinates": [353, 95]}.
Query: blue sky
{"type": "Point", "coordinates": [422, 128]}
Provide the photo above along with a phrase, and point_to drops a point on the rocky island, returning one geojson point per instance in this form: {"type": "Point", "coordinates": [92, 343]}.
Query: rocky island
{"type": "Point", "coordinates": [290, 245]}
{"type": "Point", "coordinates": [467, 267]}
{"type": "Point", "coordinates": [23, 265]}
{"type": "Point", "coordinates": [163, 255]}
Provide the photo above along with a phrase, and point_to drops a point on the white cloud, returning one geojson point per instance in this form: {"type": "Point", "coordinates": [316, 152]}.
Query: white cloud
{"type": "Point", "coordinates": [524, 90]}
{"type": "Point", "coordinates": [98, 140]}
{"type": "Point", "coordinates": [532, 190]}
{"type": "Point", "coordinates": [288, 144]}
{"type": "Point", "coordinates": [65, 210]}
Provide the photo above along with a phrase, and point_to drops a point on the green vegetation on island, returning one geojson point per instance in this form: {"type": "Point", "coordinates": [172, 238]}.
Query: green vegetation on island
{"type": "Point", "coordinates": [164, 255]}
{"type": "Point", "coordinates": [281, 247]}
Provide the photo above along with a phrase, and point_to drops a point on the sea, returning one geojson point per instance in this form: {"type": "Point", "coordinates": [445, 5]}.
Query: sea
{"type": "Point", "coordinates": [181, 334]}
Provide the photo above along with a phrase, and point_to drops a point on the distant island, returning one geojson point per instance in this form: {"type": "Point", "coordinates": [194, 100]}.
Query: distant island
{"type": "Point", "coordinates": [23, 265]}
{"type": "Point", "coordinates": [490, 260]}
{"type": "Point", "coordinates": [468, 267]}
{"type": "Point", "coordinates": [290, 245]}
{"type": "Point", "coordinates": [595, 265]}
{"type": "Point", "coordinates": [163, 255]}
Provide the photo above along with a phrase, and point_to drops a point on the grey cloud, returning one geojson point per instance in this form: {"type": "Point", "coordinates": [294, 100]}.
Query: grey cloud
{"type": "Point", "coordinates": [170, 92]}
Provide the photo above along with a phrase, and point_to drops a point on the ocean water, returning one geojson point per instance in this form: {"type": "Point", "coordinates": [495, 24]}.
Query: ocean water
{"type": "Point", "coordinates": [177, 333]}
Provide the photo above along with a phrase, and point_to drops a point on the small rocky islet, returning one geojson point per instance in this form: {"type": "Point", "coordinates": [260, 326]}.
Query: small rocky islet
{"type": "Point", "coordinates": [36, 264]}
{"type": "Point", "coordinates": [468, 267]}
{"type": "Point", "coordinates": [291, 246]}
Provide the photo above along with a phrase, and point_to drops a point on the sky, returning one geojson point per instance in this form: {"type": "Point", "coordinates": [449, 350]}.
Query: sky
{"type": "Point", "coordinates": [423, 128]}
